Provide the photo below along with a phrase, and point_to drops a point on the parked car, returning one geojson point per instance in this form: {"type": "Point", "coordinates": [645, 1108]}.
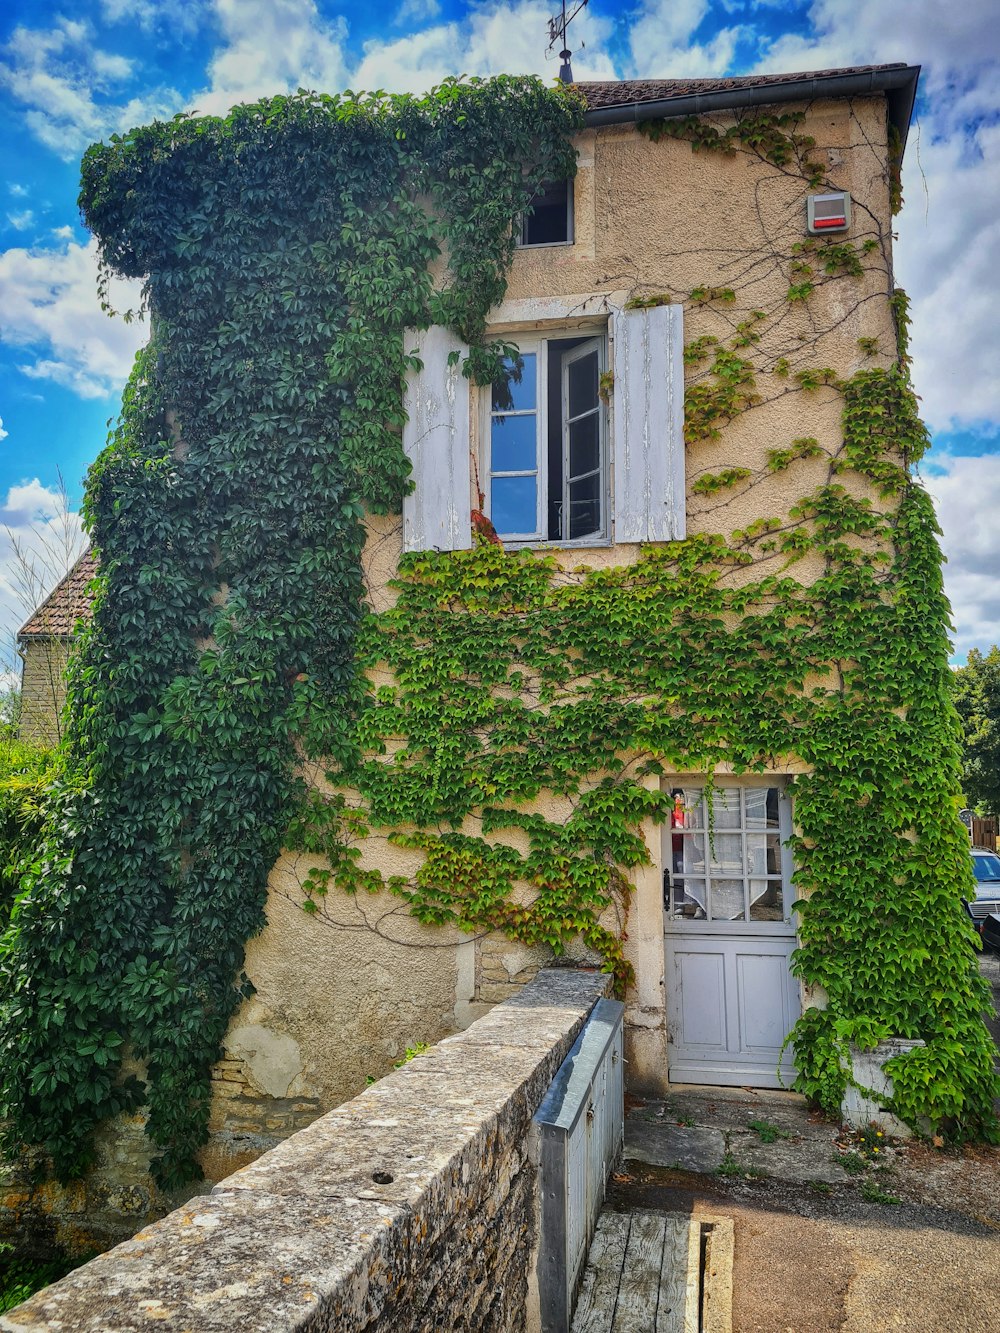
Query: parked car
{"type": "Point", "coordinates": [985, 907]}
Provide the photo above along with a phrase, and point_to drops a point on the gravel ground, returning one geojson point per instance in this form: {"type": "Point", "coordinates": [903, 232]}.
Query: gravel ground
{"type": "Point", "coordinates": [909, 1242]}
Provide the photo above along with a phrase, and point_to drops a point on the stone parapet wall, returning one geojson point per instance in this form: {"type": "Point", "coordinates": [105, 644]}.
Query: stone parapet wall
{"type": "Point", "coordinates": [410, 1207]}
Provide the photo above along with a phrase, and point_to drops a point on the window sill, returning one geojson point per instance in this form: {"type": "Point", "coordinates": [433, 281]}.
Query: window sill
{"type": "Point", "coordinates": [583, 544]}
{"type": "Point", "coordinates": [544, 245]}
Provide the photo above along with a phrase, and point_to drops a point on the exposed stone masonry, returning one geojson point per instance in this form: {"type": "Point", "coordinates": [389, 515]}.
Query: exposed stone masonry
{"type": "Point", "coordinates": [410, 1207]}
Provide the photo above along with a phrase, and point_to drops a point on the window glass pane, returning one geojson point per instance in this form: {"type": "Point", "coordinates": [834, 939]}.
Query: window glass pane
{"type": "Point", "coordinates": [548, 221]}
{"type": "Point", "coordinates": [726, 807]}
{"type": "Point", "coordinates": [727, 900]}
{"type": "Point", "coordinates": [727, 854]}
{"type": "Point", "coordinates": [583, 384]}
{"type": "Point", "coordinates": [514, 444]}
{"type": "Point", "coordinates": [584, 445]}
{"type": "Point", "coordinates": [584, 506]}
{"type": "Point", "coordinates": [515, 504]}
{"type": "Point", "coordinates": [766, 900]}
{"type": "Point", "coordinates": [517, 395]}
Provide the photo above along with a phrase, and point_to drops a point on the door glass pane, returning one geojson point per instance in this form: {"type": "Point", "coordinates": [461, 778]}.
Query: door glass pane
{"type": "Point", "coordinates": [517, 394]}
{"type": "Point", "coordinates": [515, 504]}
{"type": "Point", "coordinates": [727, 900]}
{"type": "Point", "coordinates": [584, 506]}
{"type": "Point", "coordinates": [585, 445]}
{"type": "Point", "coordinates": [694, 814]}
{"type": "Point", "coordinates": [766, 900]}
{"type": "Point", "coordinates": [727, 854]}
{"type": "Point", "coordinates": [583, 384]}
{"type": "Point", "coordinates": [757, 853]}
{"type": "Point", "coordinates": [693, 861]}
{"type": "Point", "coordinates": [688, 898]}
{"type": "Point", "coordinates": [726, 808]}
{"type": "Point", "coordinates": [514, 444]}
{"type": "Point", "coordinates": [756, 805]}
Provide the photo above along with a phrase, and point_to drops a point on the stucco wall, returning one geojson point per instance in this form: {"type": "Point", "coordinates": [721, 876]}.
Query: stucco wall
{"type": "Point", "coordinates": [352, 988]}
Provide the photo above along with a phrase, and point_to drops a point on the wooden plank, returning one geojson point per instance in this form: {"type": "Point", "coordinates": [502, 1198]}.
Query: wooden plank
{"type": "Point", "coordinates": [648, 419]}
{"type": "Point", "coordinates": [677, 1311]}
{"type": "Point", "coordinates": [717, 1288]}
{"type": "Point", "coordinates": [595, 1308]}
{"type": "Point", "coordinates": [639, 1290]}
{"type": "Point", "coordinates": [437, 513]}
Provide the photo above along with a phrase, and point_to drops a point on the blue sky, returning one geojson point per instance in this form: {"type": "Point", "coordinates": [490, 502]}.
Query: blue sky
{"type": "Point", "coordinates": [73, 73]}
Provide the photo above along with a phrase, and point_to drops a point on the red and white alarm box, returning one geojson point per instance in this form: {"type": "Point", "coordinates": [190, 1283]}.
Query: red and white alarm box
{"type": "Point", "coordinates": [828, 212]}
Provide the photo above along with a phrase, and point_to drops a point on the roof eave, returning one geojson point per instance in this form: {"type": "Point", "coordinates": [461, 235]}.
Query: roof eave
{"type": "Point", "coordinates": [899, 86]}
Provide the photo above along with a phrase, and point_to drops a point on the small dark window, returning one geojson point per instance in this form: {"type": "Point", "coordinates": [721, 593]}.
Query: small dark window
{"type": "Point", "coordinates": [549, 219]}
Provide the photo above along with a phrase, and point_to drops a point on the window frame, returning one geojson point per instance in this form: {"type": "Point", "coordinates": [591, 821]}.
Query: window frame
{"type": "Point", "coordinates": [537, 344]}
{"type": "Point", "coordinates": [708, 924]}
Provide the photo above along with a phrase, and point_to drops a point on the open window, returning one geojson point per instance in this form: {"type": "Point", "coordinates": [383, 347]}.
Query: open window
{"type": "Point", "coordinates": [546, 457]}
{"type": "Point", "coordinates": [548, 220]}
{"type": "Point", "coordinates": [547, 445]}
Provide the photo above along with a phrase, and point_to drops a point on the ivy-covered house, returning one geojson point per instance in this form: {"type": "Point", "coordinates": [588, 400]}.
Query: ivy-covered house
{"type": "Point", "coordinates": [512, 520]}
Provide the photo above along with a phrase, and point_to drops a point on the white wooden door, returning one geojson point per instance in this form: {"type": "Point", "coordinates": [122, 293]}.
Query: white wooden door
{"type": "Point", "coordinates": [731, 1002]}
{"type": "Point", "coordinates": [729, 937]}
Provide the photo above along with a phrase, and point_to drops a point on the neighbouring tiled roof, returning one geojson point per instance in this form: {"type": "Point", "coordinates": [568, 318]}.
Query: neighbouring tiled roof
{"type": "Point", "coordinates": [626, 92]}
{"type": "Point", "coordinates": [65, 604]}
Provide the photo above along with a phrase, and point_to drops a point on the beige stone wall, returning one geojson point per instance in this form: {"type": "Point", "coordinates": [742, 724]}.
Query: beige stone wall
{"type": "Point", "coordinates": [412, 1207]}
{"type": "Point", "coordinates": [43, 689]}
{"type": "Point", "coordinates": [353, 988]}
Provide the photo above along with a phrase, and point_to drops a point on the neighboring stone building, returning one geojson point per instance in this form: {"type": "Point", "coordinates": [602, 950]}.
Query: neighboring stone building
{"type": "Point", "coordinates": [44, 643]}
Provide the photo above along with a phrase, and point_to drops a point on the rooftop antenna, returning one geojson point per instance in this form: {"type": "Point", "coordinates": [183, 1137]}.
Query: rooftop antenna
{"type": "Point", "coordinates": [557, 33]}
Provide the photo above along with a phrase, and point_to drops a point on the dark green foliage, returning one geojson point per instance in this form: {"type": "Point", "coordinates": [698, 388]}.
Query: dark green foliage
{"type": "Point", "coordinates": [977, 697]}
{"type": "Point", "coordinates": [284, 250]}
{"type": "Point", "coordinates": [26, 772]}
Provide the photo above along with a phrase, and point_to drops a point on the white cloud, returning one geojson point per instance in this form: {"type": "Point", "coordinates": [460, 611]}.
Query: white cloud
{"type": "Point", "coordinates": [661, 45]}
{"type": "Point", "coordinates": [497, 37]}
{"type": "Point", "coordinates": [948, 236]}
{"type": "Point", "coordinates": [40, 538]}
{"type": "Point", "coordinates": [65, 85]}
{"type": "Point", "coordinates": [178, 16]}
{"type": "Point", "coordinates": [967, 498]}
{"type": "Point", "coordinates": [19, 191]}
{"type": "Point", "coordinates": [417, 11]}
{"type": "Point", "coordinates": [50, 309]}
{"type": "Point", "coordinates": [3, 433]}
{"type": "Point", "coordinates": [21, 221]}
{"type": "Point", "coordinates": [272, 47]}
{"type": "Point", "coordinates": [946, 259]}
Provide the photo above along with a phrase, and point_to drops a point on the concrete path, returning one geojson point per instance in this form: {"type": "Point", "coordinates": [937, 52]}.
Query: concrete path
{"type": "Point", "coordinates": [826, 1240]}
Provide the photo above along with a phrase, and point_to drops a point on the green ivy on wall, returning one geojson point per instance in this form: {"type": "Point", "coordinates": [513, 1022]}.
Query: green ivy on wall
{"type": "Point", "coordinates": [531, 709]}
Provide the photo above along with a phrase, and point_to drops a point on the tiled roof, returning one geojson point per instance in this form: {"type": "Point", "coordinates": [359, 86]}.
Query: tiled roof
{"type": "Point", "coordinates": [65, 604]}
{"type": "Point", "coordinates": [629, 91]}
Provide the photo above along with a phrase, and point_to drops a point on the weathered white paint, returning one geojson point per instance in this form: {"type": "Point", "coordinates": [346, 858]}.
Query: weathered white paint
{"type": "Point", "coordinates": [649, 424]}
{"type": "Point", "coordinates": [534, 310]}
{"type": "Point", "coordinates": [437, 513]}
{"type": "Point", "coordinates": [731, 1002]}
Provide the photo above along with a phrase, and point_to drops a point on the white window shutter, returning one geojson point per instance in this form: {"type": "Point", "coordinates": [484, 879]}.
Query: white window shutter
{"type": "Point", "coordinates": [649, 424]}
{"type": "Point", "coordinates": [437, 514]}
